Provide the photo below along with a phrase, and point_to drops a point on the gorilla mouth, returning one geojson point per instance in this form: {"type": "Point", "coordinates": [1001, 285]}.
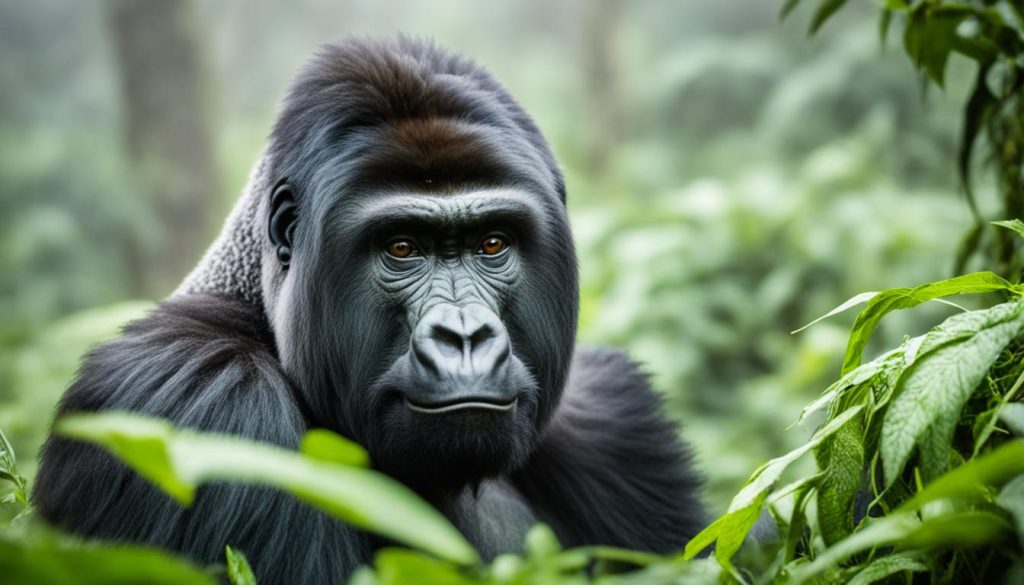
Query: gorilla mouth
{"type": "Point", "coordinates": [470, 403]}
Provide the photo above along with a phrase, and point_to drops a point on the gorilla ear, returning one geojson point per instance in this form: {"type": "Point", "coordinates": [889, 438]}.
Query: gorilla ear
{"type": "Point", "coordinates": [283, 216]}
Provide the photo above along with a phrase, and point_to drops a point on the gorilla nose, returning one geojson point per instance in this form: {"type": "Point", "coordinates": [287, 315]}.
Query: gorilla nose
{"type": "Point", "coordinates": [462, 342]}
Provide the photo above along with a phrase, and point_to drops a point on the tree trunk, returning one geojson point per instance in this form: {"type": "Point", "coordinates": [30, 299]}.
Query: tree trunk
{"type": "Point", "coordinates": [600, 21]}
{"type": "Point", "coordinates": [166, 133]}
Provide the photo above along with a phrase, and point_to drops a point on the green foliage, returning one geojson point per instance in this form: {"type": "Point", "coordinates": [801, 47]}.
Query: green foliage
{"type": "Point", "coordinates": [991, 34]}
{"type": "Point", "coordinates": [177, 461]}
{"type": "Point", "coordinates": [924, 431]}
{"type": "Point", "coordinates": [18, 492]}
{"type": "Point", "coordinates": [53, 561]}
{"type": "Point", "coordinates": [239, 571]}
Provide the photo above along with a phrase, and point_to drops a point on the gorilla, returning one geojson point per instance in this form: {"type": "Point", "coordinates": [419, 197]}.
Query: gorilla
{"type": "Point", "coordinates": [399, 270]}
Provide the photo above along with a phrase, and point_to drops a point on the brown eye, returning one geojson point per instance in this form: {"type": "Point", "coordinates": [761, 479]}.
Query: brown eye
{"type": "Point", "coordinates": [401, 249]}
{"type": "Point", "coordinates": [492, 245]}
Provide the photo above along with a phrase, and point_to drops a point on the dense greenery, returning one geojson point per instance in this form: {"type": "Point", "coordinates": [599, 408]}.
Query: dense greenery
{"type": "Point", "coordinates": [918, 471]}
{"type": "Point", "coordinates": [909, 464]}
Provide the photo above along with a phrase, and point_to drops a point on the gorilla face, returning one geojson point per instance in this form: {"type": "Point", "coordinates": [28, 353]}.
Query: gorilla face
{"type": "Point", "coordinates": [429, 317]}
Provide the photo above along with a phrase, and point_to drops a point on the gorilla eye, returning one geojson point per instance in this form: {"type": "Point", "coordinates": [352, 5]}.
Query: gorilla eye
{"type": "Point", "coordinates": [492, 245]}
{"type": "Point", "coordinates": [402, 249]}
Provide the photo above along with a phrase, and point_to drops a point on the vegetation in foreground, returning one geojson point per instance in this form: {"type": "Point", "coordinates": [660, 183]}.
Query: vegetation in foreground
{"type": "Point", "coordinates": [918, 456]}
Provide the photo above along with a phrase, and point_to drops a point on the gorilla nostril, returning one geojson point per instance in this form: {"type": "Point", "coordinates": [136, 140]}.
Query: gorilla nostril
{"type": "Point", "coordinates": [448, 342]}
{"type": "Point", "coordinates": [480, 337]}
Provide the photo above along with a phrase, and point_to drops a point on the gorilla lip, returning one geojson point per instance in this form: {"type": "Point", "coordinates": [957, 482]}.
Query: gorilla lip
{"type": "Point", "coordinates": [464, 404]}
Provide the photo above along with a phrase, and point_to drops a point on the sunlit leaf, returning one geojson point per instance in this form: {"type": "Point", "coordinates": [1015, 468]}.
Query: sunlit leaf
{"type": "Point", "coordinates": [541, 542]}
{"type": "Point", "coordinates": [239, 571]}
{"type": "Point", "coordinates": [30, 562]}
{"type": "Point", "coordinates": [401, 567]}
{"type": "Point", "coordinates": [1014, 225]}
{"type": "Point", "coordinates": [850, 303]}
{"type": "Point", "coordinates": [179, 460]}
{"type": "Point", "coordinates": [729, 532]}
{"type": "Point", "coordinates": [331, 447]}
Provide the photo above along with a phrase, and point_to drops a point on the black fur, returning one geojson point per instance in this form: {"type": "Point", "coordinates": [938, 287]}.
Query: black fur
{"type": "Point", "coordinates": [378, 140]}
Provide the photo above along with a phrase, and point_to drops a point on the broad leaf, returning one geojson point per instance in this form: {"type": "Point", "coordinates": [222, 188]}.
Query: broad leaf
{"type": "Point", "coordinates": [968, 482]}
{"type": "Point", "coordinates": [178, 461]}
{"type": "Point", "coordinates": [929, 37]}
{"type": "Point", "coordinates": [1014, 225]}
{"type": "Point", "coordinates": [731, 529]}
{"type": "Point", "coordinates": [841, 458]}
{"type": "Point", "coordinates": [45, 561]}
{"type": "Point", "coordinates": [327, 446]}
{"type": "Point", "coordinates": [894, 299]}
{"type": "Point", "coordinates": [929, 396]}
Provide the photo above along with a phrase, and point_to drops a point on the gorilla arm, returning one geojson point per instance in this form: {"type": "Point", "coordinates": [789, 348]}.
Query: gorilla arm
{"type": "Point", "coordinates": [205, 363]}
{"type": "Point", "coordinates": [609, 469]}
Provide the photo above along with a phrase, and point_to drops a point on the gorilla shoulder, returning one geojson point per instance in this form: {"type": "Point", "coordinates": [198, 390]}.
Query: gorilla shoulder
{"type": "Point", "coordinates": [205, 363]}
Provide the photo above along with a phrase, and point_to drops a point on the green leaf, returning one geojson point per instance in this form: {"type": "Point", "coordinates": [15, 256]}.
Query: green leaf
{"type": "Point", "coordinates": [929, 37]}
{"type": "Point", "coordinates": [178, 461]}
{"type": "Point", "coordinates": [949, 531]}
{"type": "Point", "coordinates": [401, 567]}
{"type": "Point", "coordinates": [1015, 225]}
{"type": "Point", "coordinates": [239, 571]}
{"type": "Point", "coordinates": [875, 532]}
{"type": "Point", "coordinates": [825, 11]}
{"type": "Point", "coordinates": [903, 298]}
{"type": "Point", "coordinates": [45, 561]}
{"type": "Point", "coordinates": [977, 111]}
{"type": "Point", "coordinates": [957, 531]}
{"type": "Point", "coordinates": [841, 458]}
{"type": "Point", "coordinates": [872, 372]}
{"type": "Point", "coordinates": [928, 398]}
{"type": "Point", "coordinates": [787, 8]}
{"type": "Point", "coordinates": [541, 542]}
{"type": "Point", "coordinates": [968, 482]}
{"type": "Point", "coordinates": [729, 532]}
{"type": "Point", "coordinates": [142, 443]}
{"type": "Point", "coordinates": [884, 24]}
{"type": "Point", "coordinates": [731, 529]}
{"type": "Point", "coordinates": [328, 446]}
{"type": "Point", "coordinates": [850, 303]}
{"type": "Point", "coordinates": [765, 476]}
{"type": "Point", "coordinates": [887, 566]}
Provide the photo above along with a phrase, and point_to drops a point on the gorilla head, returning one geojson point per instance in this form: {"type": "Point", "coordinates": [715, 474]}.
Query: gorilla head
{"type": "Point", "coordinates": [418, 268]}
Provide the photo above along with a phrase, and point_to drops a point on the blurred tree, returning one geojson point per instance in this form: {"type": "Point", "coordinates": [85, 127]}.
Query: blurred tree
{"type": "Point", "coordinates": [600, 20]}
{"type": "Point", "coordinates": [167, 131]}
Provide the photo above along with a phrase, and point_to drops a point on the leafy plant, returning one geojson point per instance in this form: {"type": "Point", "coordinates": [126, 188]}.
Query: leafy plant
{"type": "Point", "coordinates": [991, 34]}
{"type": "Point", "coordinates": [329, 472]}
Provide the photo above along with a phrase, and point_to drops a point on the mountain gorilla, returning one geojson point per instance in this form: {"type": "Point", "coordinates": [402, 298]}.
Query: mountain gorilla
{"type": "Point", "coordinates": [399, 270]}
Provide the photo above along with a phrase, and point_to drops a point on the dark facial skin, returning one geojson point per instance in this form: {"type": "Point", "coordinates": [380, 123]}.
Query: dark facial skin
{"type": "Point", "coordinates": [440, 290]}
